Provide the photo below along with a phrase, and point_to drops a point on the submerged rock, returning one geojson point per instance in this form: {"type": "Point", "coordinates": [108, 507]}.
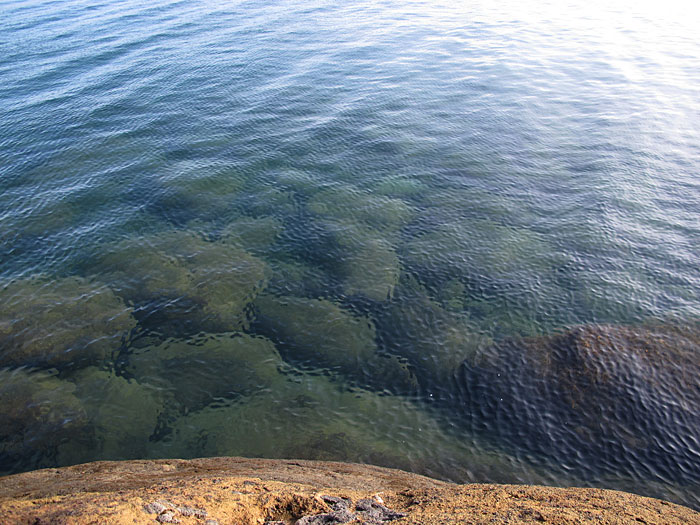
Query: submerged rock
{"type": "Point", "coordinates": [38, 412]}
{"type": "Point", "coordinates": [367, 261]}
{"type": "Point", "coordinates": [290, 277]}
{"type": "Point", "coordinates": [123, 413]}
{"type": "Point", "coordinates": [479, 247]}
{"type": "Point", "coordinates": [255, 235]}
{"type": "Point", "coordinates": [207, 368]}
{"type": "Point", "coordinates": [187, 277]}
{"type": "Point", "coordinates": [434, 340]}
{"type": "Point", "coordinates": [317, 417]}
{"type": "Point", "coordinates": [199, 192]}
{"type": "Point", "coordinates": [346, 203]}
{"type": "Point", "coordinates": [300, 182]}
{"type": "Point", "coordinates": [271, 202]}
{"type": "Point", "coordinates": [619, 399]}
{"type": "Point", "coordinates": [399, 186]}
{"type": "Point", "coordinates": [64, 322]}
{"type": "Point", "coordinates": [318, 332]}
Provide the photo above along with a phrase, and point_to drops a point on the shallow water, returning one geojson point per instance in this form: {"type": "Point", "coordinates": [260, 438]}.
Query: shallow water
{"type": "Point", "coordinates": [351, 232]}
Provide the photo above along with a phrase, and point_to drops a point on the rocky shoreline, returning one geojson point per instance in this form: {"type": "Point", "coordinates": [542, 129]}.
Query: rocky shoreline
{"type": "Point", "coordinates": [218, 491]}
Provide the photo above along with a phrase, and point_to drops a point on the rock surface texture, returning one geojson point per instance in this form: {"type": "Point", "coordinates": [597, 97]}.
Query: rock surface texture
{"type": "Point", "coordinates": [218, 491]}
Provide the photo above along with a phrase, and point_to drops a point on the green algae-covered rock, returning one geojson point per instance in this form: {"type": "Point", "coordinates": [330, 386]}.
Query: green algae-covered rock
{"type": "Point", "coordinates": [499, 312]}
{"type": "Point", "coordinates": [371, 270]}
{"type": "Point", "coordinates": [452, 295]}
{"type": "Point", "coordinates": [255, 235]}
{"type": "Point", "coordinates": [65, 322]}
{"type": "Point", "coordinates": [300, 182]}
{"type": "Point", "coordinates": [201, 193]}
{"type": "Point", "coordinates": [367, 262]}
{"type": "Point", "coordinates": [198, 371]}
{"type": "Point", "coordinates": [399, 186]}
{"type": "Point", "coordinates": [123, 414]}
{"type": "Point", "coordinates": [480, 247]}
{"type": "Point", "coordinates": [314, 417]}
{"type": "Point", "coordinates": [346, 203]}
{"type": "Point", "coordinates": [449, 204]}
{"type": "Point", "coordinates": [271, 202]}
{"type": "Point", "coordinates": [434, 340]}
{"type": "Point", "coordinates": [361, 259]}
{"type": "Point", "coordinates": [290, 277]}
{"type": "Point", "coordinates": [38, 412]}
{"type": "Point", "coordinates": [211, 282]}
{"type": "Point", "coordinates": [317, 331]}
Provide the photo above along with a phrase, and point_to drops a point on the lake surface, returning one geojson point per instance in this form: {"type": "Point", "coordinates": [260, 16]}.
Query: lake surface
{"type": "Point", "coordinates": [462, 241]}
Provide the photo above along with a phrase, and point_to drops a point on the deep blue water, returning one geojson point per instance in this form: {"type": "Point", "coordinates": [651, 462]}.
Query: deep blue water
{"type": "Point", "coordinates": [351, 231]}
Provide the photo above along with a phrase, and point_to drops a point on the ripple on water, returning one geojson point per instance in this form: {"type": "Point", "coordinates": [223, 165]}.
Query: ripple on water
{"type": "Point", "coordinates": [457, 239]}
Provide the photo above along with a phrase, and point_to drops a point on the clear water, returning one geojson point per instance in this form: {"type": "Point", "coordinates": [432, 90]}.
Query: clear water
{"type": "Point", "coordinates": [385, 232]}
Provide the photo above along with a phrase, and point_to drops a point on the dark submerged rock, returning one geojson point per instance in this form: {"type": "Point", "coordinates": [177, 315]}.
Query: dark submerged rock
{"type": "Point", "coordinates": [594, 399]}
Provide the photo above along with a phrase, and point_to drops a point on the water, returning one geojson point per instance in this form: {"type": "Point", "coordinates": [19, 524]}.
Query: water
{"type": "Point", "coordinates": [461, 241]}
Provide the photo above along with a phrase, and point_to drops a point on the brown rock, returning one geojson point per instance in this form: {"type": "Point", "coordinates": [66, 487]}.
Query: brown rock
{"type": "Point", "coordinates": [598, 398]}
{"type": "Point", "coordinates": [256, 491]}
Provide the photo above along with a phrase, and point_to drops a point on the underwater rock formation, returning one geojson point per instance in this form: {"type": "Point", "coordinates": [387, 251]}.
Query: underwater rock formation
{"type": "Point", "coordinates": [368, 263]}
{"type": "Point", "coordinates": [206, 368]}
{"type": "Point", "coordinates": [362, 258]}
{"type": "Point", "coordinates": [290, 277]}
{"type": "Point", "coordinates": [399, 186]}
{"type": "Point", "coordinates": [198, 192]}
{"type": "Point", "coordinates": [435, 341]}
{"type": "Point", "coordinates": [65, 322]}
{"type": "Point", "coordinates": [319, 417]}
{"type": "Point", "coordinates": [211, 283]}
{"type": "Point", "coordinates": [271, 202]}
{"type": "Point", "coordinates": [254, 235]}
{"type": "Point", "coordinates": [38, 413]}
{"type": "Point", "coordinates": [122, 413]}
{"type": "Point", "coordinates": [317, 331]}
{"type": "Point", "coordinates": [348, 204]}
{"type": "Point", "coordinates": [477, 246]}
{"type": "Point", "coordinates": [620, 399]}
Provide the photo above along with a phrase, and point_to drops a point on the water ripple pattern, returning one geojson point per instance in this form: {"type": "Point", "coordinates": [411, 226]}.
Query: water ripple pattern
{"type": "Point", "coordinates": [457, 239]}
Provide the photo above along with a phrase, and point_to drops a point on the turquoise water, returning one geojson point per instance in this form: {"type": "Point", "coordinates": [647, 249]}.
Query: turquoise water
{"type": "Point", "coordinates": [461, 241]}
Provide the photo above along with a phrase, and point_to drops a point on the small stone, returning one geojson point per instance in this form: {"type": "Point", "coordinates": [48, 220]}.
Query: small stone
{"type": "Point", "coordinates": [189, 511]}
{"type": "Point", "coordinates": [168, 517]}
{"type": "Point", "coordinates": [532, 514]}
{"type": "Point", "coordinates": [331, 518]}
{"type": "Point", "coordinates": [154, 508]}
{"type": "Point", "coordinates": [211, 522]}
{"type": "Point", "coordinates": [375, 513]}
{"type": "Point", "coordinates": [337, 503]}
